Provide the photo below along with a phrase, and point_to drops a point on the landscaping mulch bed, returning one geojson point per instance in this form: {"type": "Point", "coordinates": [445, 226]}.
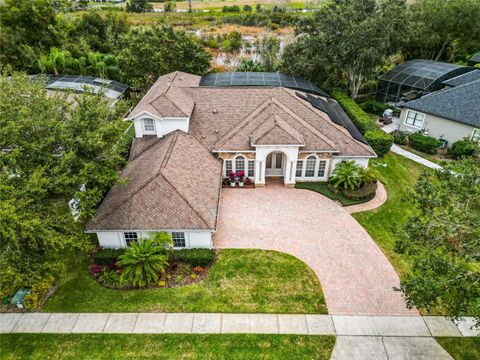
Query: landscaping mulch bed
{"type": "Point", "coordinates": [177, 274]}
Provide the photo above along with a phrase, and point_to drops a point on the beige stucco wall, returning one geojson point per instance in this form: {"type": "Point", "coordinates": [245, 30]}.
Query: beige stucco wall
{"type": "Point", "coordinates": [439, 127]}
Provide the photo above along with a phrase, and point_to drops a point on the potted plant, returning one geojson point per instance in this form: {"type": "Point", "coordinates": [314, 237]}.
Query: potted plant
{"type": "Point", "coordinates": [241, 178]}
{"type": "Point", "coordinates": [232, 178]}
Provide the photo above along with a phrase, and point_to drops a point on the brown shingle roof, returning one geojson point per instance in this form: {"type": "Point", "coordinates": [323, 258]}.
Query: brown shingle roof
{"type": "Point", "coordinates": [225, 118]}
{"type": "Point", "coordinates": [166, 97]}
{"type": "Point", "coordinates": [276, 131]}
{"type": "Point", "coordinates": [170, 183]}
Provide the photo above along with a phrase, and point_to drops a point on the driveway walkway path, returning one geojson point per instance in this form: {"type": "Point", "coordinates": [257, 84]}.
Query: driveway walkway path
{"type": "Point", "coordinates": [356, 277]}
{"type": "Point", "coordinates": [398, 150]}
{"type": "Point", "coordinates": [379, 199]}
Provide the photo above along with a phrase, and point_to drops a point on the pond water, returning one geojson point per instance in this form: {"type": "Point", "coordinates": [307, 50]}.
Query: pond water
{"type": "Point", "coordinates": [248, 49]}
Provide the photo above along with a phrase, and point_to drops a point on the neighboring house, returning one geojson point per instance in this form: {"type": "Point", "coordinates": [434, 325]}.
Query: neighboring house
{"type": "Point", "coordinates": [415, 78]}
{"type": "Point", "coordinates": [192, 131]}
{"type": "Point", "coordinates": [451, 114]}
{"type": "Point", "coordinates": [110, 89]}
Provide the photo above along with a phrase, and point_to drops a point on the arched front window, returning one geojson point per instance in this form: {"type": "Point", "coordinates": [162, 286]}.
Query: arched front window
{"type": "Point", "coordinates": [240, 163]}
{"type": "Point", "coordinates": [310, 166]}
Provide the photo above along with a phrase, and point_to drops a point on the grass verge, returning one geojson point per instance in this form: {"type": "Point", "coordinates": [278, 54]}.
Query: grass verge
{"type": "Point", "coordinates": [322, 188]}
{"type": "Point", "coordinates": [165, 346]}
{"type": "Point", "coordinates": [239, 281]}
{"type": "Point", "coordinates": [467, 348]}
{"type": "Point", "coordinates": [399, 175]}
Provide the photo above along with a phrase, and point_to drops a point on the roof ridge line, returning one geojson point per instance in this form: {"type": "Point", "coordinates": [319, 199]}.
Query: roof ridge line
{"type": "Point", "coordinates": [184, 199]}
{"type": "Point", "coordinates": [306, 124]}
{"type": "Point", "coordinates": [173, 102]}
{"type": "Point", "coordinates": [166, 158]}
{"type": "Point", "coordinates": [279, 125]}
{"type": "Point", "coordinates": [242, 123]}
{"type": "Point", "coordinates": [148, 181]}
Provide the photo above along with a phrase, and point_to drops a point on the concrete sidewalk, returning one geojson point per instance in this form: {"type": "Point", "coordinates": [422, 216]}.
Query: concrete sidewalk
{"type": "Point", "coordinates": [398, 150]}
{"type": "Point", "coordinates": [215, 323]}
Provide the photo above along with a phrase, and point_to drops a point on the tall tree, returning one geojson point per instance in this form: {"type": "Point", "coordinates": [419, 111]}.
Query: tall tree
{"type": "Point", "coordinates": [269, 51]}
{"type": "Point", "coordinates": [51, 145]}
{"type": "Point", "coordinates": [346, 40]}
{"type": "Point", "coordinates": [444, 239]}
{"type": "Point", "coordinates": [148, 53]}
{"type": "Point", "coordinates": [28, 28]}
{"type": "Point", "coordinates": [443, 30]}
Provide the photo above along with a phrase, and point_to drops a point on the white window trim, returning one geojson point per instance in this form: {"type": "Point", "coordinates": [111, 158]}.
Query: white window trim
{"type": "Point", "coordinates": [234, 167]}
{"type": "Point", "coordinates": [184, 239]}
{"type": "Point", "coordinates": [315, 176]}
{"type": "Point", "coordinates": [125, 238]}
{"type": "Point", "coordinates": [154, 131]}
{"type": "Point", "coordinates": [412, 125]}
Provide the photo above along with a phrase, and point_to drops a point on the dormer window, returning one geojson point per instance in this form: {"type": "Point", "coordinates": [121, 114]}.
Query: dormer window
{"type": "Point", "coordinates": [149, 126]}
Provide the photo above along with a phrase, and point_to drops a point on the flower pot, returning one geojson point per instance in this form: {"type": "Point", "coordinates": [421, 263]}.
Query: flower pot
{"type": "Point", "coordinates": [240, 183]}
{"type": "Point", "coordinates": [232, 184]}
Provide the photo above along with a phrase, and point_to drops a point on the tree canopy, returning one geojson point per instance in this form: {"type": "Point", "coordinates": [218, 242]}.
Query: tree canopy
{"type": "Point", "coordinates": [444, 239]}
{"type": "Point", "coordinates": [51, 144]}
{"type": "Point", "coordinates": [145, 54]}
{"type": "Point", "coordinates": [346, 39]}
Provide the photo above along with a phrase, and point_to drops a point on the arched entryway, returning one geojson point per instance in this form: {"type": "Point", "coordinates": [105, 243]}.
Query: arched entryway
{"type": "Point", "coordinates": [275, 165]}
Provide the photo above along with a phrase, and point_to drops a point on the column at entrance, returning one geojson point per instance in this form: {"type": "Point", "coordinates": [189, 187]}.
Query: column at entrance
{"type": "Point", "coordinates": [276, 161]}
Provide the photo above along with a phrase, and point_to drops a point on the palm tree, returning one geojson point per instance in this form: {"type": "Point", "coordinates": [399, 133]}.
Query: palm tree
{"type": "Point", "coordinates": [345, 175]}
{"type": "Point", "coordinates": [55, 62]}
{"type": "Point", "coordinates": [142, 262]}
{"type": "Point", "coordinates": [365, 176]}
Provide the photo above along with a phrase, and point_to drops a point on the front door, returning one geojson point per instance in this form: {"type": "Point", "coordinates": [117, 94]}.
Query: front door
{"type": "Point", "coordinates": [274, 165]}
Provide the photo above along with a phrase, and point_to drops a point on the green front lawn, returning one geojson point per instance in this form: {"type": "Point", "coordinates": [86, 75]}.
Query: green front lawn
{"type": "Point", "coordinates": [165, 346]}
{"type": "Point", "coordinates": [322, 188]}
{"type": "Point", "coordinates": [239, 281]}
{"type": "Point", "coordinates": [461, 348]}
{"type": "Point", "coordinates": [399, 175]}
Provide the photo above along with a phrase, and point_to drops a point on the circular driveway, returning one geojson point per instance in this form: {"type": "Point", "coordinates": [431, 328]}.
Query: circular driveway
{"type": "Point", "coordinates": [356, 277]}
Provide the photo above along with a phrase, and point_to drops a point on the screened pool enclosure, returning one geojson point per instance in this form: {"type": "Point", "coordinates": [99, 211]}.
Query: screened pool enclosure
{"type": "Point", "coordinates": [418, 77]}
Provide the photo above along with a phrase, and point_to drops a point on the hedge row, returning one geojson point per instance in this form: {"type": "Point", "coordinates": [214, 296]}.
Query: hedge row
{"type": "Point", "coordinates": [107, 256]}
{"type": "Point", "coordinates": [194, 257]}
{"type": "Point", "coordinates": [426, 144]}
{"type": "Point", "coordinates": [380, 141]}
{"type": "Point", "coordinates": [359, 117]}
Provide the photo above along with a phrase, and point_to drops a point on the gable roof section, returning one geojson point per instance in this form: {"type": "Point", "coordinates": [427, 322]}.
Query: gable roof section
{"type": "Point", "coordinates": [460, 104]}
{"type": "Point", "coordinates": [276, 131]}
{"type": "Point", "coordinates": [166, 97]}
{"type": "Point", "coordinates": [161, 189]}
{"type": "Point", "coordinates": [239, 136]}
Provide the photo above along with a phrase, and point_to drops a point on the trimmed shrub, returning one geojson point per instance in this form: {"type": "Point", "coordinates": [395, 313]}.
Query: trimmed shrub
{"type": "Point", "coordinates": [376, 107]}
{"type": "Point", "coordinates": [462, 148]}
{"type": "Point", "coordinates": [400, 137]}
{"type": "Point", "coordinates": [424, 143]}
{"type": "Point", "coordinates": [380, 141]}
{"type": "Point", "coordinates": [107, 256]}
{"type": "Point", "coordinates": [194, 257]}
{"type": "Point", "coordinates": [365, 192]}
{"type": "Point", "coordinates": [359, 117]}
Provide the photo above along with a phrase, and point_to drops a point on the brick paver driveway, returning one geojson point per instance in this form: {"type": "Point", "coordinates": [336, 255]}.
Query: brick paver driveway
{"type": "Point", "coordinates": [356, 277]}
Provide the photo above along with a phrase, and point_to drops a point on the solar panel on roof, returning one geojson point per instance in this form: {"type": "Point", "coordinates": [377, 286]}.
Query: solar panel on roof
{"type": "Point", "coordinates": [335, 113]}
{"type": "Point", "coordinates": [260, 79]}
